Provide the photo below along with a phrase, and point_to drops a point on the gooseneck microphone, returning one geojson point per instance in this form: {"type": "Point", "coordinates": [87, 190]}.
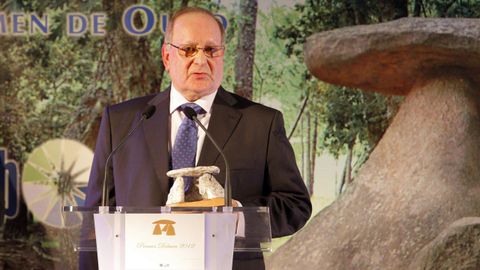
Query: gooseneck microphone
{"type": "Point", "coordinates": [192, 115]}
{"type": "Point", "coordinates": [146, 114]}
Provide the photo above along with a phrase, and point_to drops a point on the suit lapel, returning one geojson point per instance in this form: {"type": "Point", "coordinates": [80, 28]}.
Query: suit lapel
{"type": "Point", "coordinates": [156, 130]}
{"type": "Point", "coordinates": [222, 123]}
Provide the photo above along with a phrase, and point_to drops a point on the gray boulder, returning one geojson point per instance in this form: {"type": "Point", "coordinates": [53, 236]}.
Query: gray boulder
{"type": "Point", "coordinates": [390, 57]}
{"type": "Point", "coordinates": [424, 174]}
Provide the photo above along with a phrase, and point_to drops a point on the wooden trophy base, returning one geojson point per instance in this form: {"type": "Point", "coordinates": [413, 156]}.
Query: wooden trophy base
{"type": "Point", "coordinates": [202, 203]}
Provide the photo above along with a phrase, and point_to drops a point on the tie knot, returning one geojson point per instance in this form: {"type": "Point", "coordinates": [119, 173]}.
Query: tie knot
{"type": "Point", "coordinates": [194, 106]}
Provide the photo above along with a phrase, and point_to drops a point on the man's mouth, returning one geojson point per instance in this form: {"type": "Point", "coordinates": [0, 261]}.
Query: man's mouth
{"type": "Point", "coordinates": [200, 75]}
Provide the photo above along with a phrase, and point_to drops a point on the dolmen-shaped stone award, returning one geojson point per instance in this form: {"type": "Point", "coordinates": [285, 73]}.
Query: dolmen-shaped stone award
{"type": "Point", "coordinates": [421, 183]}
{"type": "Point", "coordinates": [204, 186]}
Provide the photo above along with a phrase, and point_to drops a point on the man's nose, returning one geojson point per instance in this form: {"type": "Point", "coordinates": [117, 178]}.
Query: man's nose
{"type": "Point", "coordinates": [200, 57]}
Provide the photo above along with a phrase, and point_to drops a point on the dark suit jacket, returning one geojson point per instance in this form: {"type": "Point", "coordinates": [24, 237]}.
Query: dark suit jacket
{"type": "Point", "coordinates": [252, 136]}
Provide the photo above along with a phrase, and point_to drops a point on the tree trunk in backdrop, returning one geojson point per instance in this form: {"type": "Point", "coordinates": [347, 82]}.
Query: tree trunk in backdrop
{"type": "Point", "coordinates": [245, 48]}
{"type": "Point", "coordinates": [309, 151]}
{"type": "Point", "coordinates": [313, 158]}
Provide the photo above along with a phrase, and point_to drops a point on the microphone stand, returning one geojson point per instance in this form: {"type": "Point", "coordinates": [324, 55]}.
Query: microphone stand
{"type": "Point", "coordinates": [191, 114]}
{"type": "Point", "coordinates": [146, 114]}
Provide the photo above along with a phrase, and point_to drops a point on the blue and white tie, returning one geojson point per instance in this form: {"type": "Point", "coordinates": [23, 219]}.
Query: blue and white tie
{"type": "Point", "coordinates": [185, 147]}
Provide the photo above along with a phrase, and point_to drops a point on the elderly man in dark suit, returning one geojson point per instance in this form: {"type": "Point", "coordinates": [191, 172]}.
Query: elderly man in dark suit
{"type": "Point", "coordinates": [252, 136]}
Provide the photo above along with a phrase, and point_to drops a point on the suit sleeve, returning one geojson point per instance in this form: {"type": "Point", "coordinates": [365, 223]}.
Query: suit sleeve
{"type": "Point", "coordinates": [102, 150]}
{"type": "Point", "coordinates": [287, 198]}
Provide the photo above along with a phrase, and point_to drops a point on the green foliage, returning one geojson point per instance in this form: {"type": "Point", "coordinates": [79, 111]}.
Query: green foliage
{"type": "Point", "coordinates": [347, 116]}
{"type": "Point", "coordinates": [279, 79]}
{"type": "Point", "coordinates": [449, 8]}
{"type": "Point", "coordinates": [316, 16]}
{"type": "Point", "coordinates": [350, 115]}
{"type": "Point", "coordinates": [48, 78]}
{"type": "Point", "coordinates": [54, 82]}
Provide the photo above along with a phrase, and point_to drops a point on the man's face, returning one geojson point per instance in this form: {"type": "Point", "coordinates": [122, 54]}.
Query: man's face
{"type": "Point", "coordinates": [199, 75]}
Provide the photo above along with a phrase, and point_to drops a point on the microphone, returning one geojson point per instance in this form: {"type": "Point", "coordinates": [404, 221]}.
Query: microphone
{"type": "Point", "coordinates": [146, 114]}
{"type": "Point", "coordinates": [192, 115]}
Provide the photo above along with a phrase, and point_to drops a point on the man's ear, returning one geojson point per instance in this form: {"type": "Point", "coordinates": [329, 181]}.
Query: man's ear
{"type": "Point", "coordinates": [166, 57]}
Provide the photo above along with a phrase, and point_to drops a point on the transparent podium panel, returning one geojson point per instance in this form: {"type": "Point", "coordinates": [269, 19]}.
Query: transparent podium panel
{"type": "Point", "coordinates": [251, 224]}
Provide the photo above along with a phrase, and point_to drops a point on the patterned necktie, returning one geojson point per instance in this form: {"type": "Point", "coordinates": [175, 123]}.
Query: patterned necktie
{"type": "Point", "coordinates": [185, 147]}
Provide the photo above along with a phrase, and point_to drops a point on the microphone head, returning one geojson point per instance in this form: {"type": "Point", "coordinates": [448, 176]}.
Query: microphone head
{"type": "Point", "coordinates": [149, 111]}
{"type": "Point", "coordinates": [189, 112]}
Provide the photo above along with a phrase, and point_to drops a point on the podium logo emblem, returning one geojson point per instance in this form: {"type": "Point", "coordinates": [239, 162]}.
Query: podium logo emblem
{"type": "Point", "coordinates": [164, 226]}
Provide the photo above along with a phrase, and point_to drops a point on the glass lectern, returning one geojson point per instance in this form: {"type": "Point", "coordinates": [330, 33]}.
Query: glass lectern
{"type": "Point", "coordinates": [168, 237]}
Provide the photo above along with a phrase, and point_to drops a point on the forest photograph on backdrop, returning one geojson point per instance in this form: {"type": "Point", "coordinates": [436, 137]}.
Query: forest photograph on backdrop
{"type": "Point", "coordinates": [62, 62]}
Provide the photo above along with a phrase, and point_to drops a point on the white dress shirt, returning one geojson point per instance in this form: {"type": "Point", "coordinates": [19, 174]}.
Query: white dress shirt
{"type": "Point", "coordinates": [176, 116]}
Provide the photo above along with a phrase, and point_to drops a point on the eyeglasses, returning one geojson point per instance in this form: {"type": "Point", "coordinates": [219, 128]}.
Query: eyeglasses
{"type": "Point", "coordinates": [192, 50]}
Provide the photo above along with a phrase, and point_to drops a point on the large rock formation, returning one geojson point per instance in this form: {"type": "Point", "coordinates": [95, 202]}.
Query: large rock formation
{"type": "Point", "coordinates": [424, 174]}
{"type": "Point", "coordinates": [457, 247]}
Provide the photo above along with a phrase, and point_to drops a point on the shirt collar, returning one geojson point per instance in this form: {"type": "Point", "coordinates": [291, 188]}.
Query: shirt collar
{"type": "Point", "coordinates": [176, 100]}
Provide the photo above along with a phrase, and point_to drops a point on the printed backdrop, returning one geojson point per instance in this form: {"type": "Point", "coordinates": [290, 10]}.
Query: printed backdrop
{"type": "Point", "coordinates": [62, 62]}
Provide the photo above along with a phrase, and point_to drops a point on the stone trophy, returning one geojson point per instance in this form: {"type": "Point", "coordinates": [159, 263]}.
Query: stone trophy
{"type": "Point", "coordinates": [204, 190]}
